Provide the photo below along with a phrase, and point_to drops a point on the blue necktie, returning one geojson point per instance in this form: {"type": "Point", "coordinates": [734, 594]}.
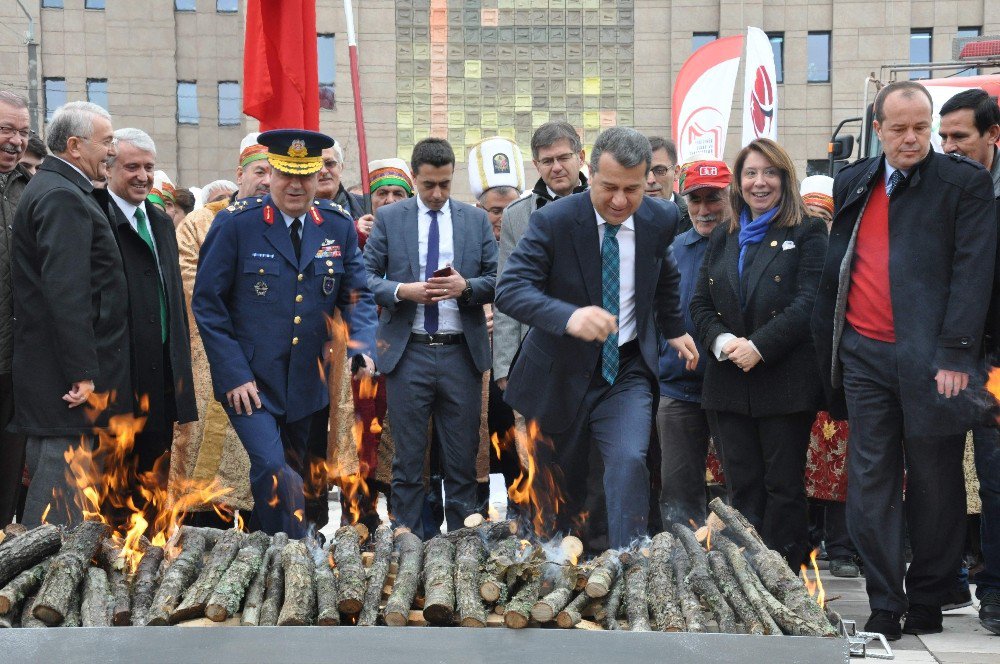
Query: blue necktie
{"type": "Point", "coordinates": [894, 180]}
{"type": "Point", "coordinates": [610, 277]}
{"type": "Point", "coordinates": [433, 249]}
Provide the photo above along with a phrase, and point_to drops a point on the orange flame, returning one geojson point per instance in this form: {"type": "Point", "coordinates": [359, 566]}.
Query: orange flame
{"type": "Point", "coordinates": [993, 385]}
{"type": "Point", "coordinates": [45, 512]}
{"type": "Point", "coordinates": [274, 500]}
{"type": "Point", "coordinates": [708, 540]}
{"type": "Point", "coordinates": [814, 586]}
{"type": "Point", "coordinates": [536, 488]}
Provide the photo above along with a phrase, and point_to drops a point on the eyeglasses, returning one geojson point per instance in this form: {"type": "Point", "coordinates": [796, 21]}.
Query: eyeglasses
{"type": "Point", "coordinates": [563, 159]}
{"type": "Point", "coordinates": [7, 131]}
{"type": "Point", "coordinates": [660, 171]}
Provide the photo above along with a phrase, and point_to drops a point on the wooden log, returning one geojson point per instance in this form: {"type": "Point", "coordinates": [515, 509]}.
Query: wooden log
{"type": "Point", "coordinates": [144, 584]}
{"type": "Point", "coordinates": [772, 569]}
{"type": "Point", "coordinates": [11, 619]}
{"type": "Point", "coordinates": [700, 579]}
{"type": "Point", "coordinates": [95, 609]}
{"type": "Point", "coordinates": [211, 535]}
{"type": "Point", "coordinates": [490, 532]}
{"type": "Point", "coordinates": [612, 604]}
{"type": "Point", "coordinates": [404, 590]}
{"type": "Point", "coordinates": [636, 567]}
{"type": "Point", "coordinates": [67, 570]}
{"type": "Point", "coordinates": [28, 618]}
{"type": "Point", "coordinates": [572, 613]}
{"type": "Point", "coordinates": [469, 556]}
{"type": "Point", "coordinates": [21, 586]}
{"type": "Point", "coordinates": [120, 601]}
{"type": "Point", "coordinates": [299, 607]}
{"type": "Point", "coordinates": [664, 608]}
{"type": "Point", "coordinates": [27, 550]}
{"type": "Point", "coordinates": [563, 587]}
{"type": "Point", "coordinates": [327, 596]}
{"type": "Point", "coordinates": [518, 610]}
{"type": "Point", "coordinates": [694, 618]}
{"type": "Point", "coordinates": [606, 571]}
{"type": "Point", "coordinates": [274, 585]}
{"type": "Point", "coordinates": [181, 574]}
{"type": "Point", "coordinates": [12, 530]}
{"type": "Point", "coordinates": [439, 581]}
{"type": "Point", "coordinates": [74, 617]}
{"type": "Point", "coordinates": [742, 572]}
{"type": "Point", "coordinates": [255, 593]}
{"type": "Point", "coordinates": [196, 597]}
{"type": "Point", "coordinates": [229, 592]}
{"type": "Point", "coordinates": [501, 557]}
{"type": "Point", "coordinates": [377, 573]}
{"type": "Point", "coordinates": [350, 571]}
{"type": "Point", "coordinates": [730, 588]}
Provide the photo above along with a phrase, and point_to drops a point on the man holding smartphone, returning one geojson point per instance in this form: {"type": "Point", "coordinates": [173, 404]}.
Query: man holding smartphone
{"type": "Point", "coordinates": [432, 264]}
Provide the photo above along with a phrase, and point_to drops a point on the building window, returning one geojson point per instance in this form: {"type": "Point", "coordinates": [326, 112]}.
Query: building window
{"type": "Point", "coordinates": [777, 40]}
{"type": "Point", "coordinates": [52, 4]}
{"type": "Point", "coordinates": [55, 95]}
{"type": "Point", "coordinates": [327, 61]}
{"type": "Point", "coordinates": [699, 39]}
{"type": "Point", "coordinates": [94, 4]}
{"type": "Point", "coordinates": [227, 6]}
{"type": "Point", "coordinates": [969, 32]}
{"type": "Point", "coordinates": [920, 51]}
{"type": "Point", "coordinates": [97, 92]}
{"type": "Point", "coordinates": [818, 47]}
{"type": "Point", "coordinates": [230, 103]}
{"type": "Point", "coordinates": [185, 5]}
{"type": "Point", "coordinates": [187, 102]}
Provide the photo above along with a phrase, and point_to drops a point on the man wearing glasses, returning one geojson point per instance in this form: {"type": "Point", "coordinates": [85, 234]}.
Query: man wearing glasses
{"type": "Point", "coordinates": [332, 188]}
{"type": "Point", "coordinates": [71, 369]}
{"type": "Point", "coordinates": [660, 180]}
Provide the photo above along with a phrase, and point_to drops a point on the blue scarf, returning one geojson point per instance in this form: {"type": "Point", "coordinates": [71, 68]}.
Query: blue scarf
{"type": "Point", "coordinates": [753, 231]}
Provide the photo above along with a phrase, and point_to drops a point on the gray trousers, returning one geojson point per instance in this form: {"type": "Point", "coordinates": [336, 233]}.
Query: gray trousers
{"type": "Point", "coordinates": [683, 431]}
{"type": "Point", "coordinates": [47, 469]}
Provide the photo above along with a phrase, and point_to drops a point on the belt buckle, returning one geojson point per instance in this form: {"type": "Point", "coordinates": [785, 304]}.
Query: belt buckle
{"type": "Point", "coordinates": [432, 342]}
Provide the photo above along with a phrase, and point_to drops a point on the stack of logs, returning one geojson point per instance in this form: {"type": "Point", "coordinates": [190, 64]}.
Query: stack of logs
{"type": "Point", "coordinates": [478, 576]}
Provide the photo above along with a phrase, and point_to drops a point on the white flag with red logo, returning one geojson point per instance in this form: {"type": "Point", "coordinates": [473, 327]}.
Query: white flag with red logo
{"type": "Point", "coordinates": [703, 99]}
{"type": "Point", "coordinates": [760, 89]}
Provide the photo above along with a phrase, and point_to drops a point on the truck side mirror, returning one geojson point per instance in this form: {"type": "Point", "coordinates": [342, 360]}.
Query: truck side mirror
{"type": "Point", "coordinates": [841, 147]}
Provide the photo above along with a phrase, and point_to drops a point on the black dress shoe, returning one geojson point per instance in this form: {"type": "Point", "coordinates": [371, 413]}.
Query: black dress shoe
{"type": "Point", "coordinates": [885, 623]}
{"type": "Point", "coordinates": [923, 619]}
{"type": "Point", "coordinates": [989, 611]}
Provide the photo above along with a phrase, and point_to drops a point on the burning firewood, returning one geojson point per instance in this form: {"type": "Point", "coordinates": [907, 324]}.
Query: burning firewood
{"type": "Point", "coordinates": [606, 571]}
{"type": "Point", "coordinates": [228, 594]}
{"type": "Point", "coordinates": [67, 570]}
{"type": "Point", "coordinates": [376, 576]}
{"type": "Point", "coordinates": [518, 610]}
{"type": "Point", "coordinates": [731, 590]}
{"type": "Point", "coordinates": [299, 607]}
{"type": "Point", "coordinates": [95, 611]}
{"type": "Point", "coordinates": [636, 579]}
{"type": "Point", "coordinates": [502, 556]}
{"type": "Point", "coordinates": [404, 590]}
{"type": "Point", "coordinates": [20, 552]}
{"type": "Point", "coordinates": [548, 607]}
{"type": "Point", "coordinates": [144, 584]}
{"type": "Point", "coordinates": [110, 560]}
{"type": "Point", "coordinates": [350, 570]}
{"type": "Point", "coordinates": [181, 573]}
{"type": "Point", "coordinates": [274, 584]}
{"type": "Point", "coordinates": [700, 579]}
{"type": "Point", "coordinates": [439, 581]}
{"type": "Point", "coordinates": [664, 608]}
{"type": "Point", "coordinates": [469, 555]}
{"type": "Point", "coordinates": [24, 584]}
{"type": "Point", "coordinates": [745, 577]}
{"type": "Point", "coordinates": [196, 597]}
{"type": "Point", "coordinates": [327, 595]}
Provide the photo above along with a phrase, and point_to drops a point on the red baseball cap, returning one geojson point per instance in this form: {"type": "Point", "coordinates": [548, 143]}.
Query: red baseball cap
{"type": "Point", "coordinates": [709, 173]}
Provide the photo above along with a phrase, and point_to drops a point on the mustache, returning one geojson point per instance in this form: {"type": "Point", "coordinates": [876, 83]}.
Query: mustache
{"type": "Point", "coordinates": [706, 219]}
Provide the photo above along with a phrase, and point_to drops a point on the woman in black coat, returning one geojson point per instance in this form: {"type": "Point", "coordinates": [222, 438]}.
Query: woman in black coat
{"type": "Point", "coordinates": [751, 310]}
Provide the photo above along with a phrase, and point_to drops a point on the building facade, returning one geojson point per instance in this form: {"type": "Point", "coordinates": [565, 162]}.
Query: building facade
{"type": "Point", "coordinates": [465, 69]}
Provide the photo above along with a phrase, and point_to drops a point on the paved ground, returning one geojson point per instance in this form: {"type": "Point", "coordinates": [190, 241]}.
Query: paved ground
{"type": "Point", "coordinates": [964, 641]}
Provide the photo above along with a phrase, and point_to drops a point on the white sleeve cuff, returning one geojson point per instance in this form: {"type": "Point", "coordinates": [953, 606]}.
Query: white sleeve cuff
{"type": "Point", "coordinates": [718, 344]}
{"type": "Point", "coordinates": [395, 293]}
{"type": "Point", "coordinates": [754, 346]}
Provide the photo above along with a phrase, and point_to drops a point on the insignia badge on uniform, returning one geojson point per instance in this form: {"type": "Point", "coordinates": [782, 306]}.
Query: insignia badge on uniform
{"type": "Point", "coordinates": [260, 288]}
{"type": "Point", "coordinates": [329, 282]}
{"type": "Point", "coordinates": [298, 149]}
{"type": "Point", "coordinates": [329, 249]}
{"type": "Point", "coordinates": [501, 164]}
{"type": "Point", "coordinates": [316, 216]}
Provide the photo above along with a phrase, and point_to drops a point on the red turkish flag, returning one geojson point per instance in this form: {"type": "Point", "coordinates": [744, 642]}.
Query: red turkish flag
{"type": "Point", "coordinates": [280, 75]}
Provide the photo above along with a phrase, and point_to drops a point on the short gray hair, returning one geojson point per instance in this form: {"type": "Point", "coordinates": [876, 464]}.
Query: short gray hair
{"type": "Point", "coordinates": [209, 190]}
{"type": "Point", "coordinates": [12, 99]}
{"type": "Point", "coordinates": [73, 119]}
{"type": "Point", "coordinates": [551, 133]}
{"type": "Point", "coordinates": [502, 189]}
{"type": "Point", "coordinates": [627, 146]}
{"type": "Point", "coordinates": [136, 137]}
{"type": "Point", "coordinates": [339, 150]}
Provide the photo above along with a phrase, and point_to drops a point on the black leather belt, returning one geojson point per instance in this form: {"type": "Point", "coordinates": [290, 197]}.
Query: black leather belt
{"type": "Point", "coordinates": [437, 339]}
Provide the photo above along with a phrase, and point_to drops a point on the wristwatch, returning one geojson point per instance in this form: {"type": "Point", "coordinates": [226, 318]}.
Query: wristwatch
{"type": "Point", "coordinates": [467, 293]}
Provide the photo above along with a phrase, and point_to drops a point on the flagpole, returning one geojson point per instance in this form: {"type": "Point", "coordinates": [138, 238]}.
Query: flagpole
{"type": "Point", "coordinates": [359, 116]}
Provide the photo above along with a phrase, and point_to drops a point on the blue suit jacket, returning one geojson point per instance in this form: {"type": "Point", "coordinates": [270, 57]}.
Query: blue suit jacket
{"type": "Point", "coordinates": [263, 315]}
{"type": "Point", "coordinates": [392, 257]}
{"type": "Point", "coordinates": [556, 269]}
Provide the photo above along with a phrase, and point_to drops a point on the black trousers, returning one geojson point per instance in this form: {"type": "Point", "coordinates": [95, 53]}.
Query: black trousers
{"type": "Point", "coordinates": [11, 454]}
{"type": "Point", "coordinates": [877, 454]}
{"type": "Point", "coordinates": [764, 459]}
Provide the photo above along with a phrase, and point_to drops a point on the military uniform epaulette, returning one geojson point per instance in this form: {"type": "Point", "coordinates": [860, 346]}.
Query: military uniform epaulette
{"type": "Point", "coordinates": [244, 204]}
{"type": "Point", "coordinates": [326, 204]}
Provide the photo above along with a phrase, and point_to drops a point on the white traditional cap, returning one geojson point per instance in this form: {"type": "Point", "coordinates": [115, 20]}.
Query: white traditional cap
{"type": "Point", "coordinates": [495, 162]}
{"type": "Point", "coordinates": [162, 189]}
{"type": "Point", "coordinates": [251, 150]}
{"type": "Point", "coordinates": [818, 190]}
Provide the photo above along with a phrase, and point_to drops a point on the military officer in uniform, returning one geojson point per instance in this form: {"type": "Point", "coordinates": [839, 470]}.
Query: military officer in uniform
{"type": "Point", "coordinates": [272, 270]}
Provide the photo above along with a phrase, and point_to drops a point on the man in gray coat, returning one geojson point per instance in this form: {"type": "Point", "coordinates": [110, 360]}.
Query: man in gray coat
{"type": "Point", "coordinates": [431, 264]}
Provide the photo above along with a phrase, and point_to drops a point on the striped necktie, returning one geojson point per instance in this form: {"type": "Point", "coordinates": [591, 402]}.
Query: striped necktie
{"type": "Point", "coordinates": [610, 278]}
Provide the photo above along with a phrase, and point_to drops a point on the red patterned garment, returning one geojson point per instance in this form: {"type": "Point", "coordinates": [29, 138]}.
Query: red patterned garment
{"type": "Point", "coordinates": [713, 463]}
{"type": "Point", "coordinates": [826, 460]}
{"type": "Point", "coordinates": [370, 410]}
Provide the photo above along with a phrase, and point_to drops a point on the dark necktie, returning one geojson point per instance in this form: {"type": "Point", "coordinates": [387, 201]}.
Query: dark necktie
{"type": "Point", "coordinates": [294, 232]}
{"type": "Point", "coordinates": [433, 250]}
{"type": "Point", "coordinates": [142, 227]}
{"type": "Point", "coordinates": [894, 180]}
{"type": "Point", "coordinates": [610, 281]}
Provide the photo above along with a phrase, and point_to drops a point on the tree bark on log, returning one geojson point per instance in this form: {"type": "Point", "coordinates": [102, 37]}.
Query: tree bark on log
{"type": "Point", "coordinates": [377, 573]}
{"type": "Point", "coordinates": [489, 532]}
{"type": "Point", "coordinates": [21, 586]}
{"type": "Point", "coordinates": [747, 580]}
{"type": "Point", "coordinates": [181, 574]}
{"type": "Point", "coordinates": [517, 611]}
{"type": "Point", "coordinates": [120, 602]}
{"type": "Point", "coordinates": [12, 530]}
{"type": "Point", "coordinates": [67, 570]}
{"type": "Point", "coordinates": [501, 557]}
{"type": "Point", "coordinates": [28, 618]}
{"type": "Point", "coordinates": [439, 581]}
{"type": "Point", "coordinates": [564, 578]}
{"type": "Point", "coordinates": [613, 603]}
{"type": "Point", "coordinates": [469, 555]}
{"type": "Point", "coordinates": [144, 584]}
{"type": "Point", "coordinates": [700, 579]}
{"type": "Point", "coordinates": [27, 550]}
{"type": "Point", "coordinates": [258, 587]}
{"type": "Point", "coordinates": [773, 570]}
{"type": "Point", "coordinates": [229, 592]}
{"type": "Point", "coordinates": [606, 571]}
{"type": "Point", "coordinates": [694, 617]}
{"type": "Point", "coordinates": [274, 588]}
{"type": "Point", "coordinates": [572, 613]}
{"type": "Point", "coordinates": [404, 590]}
{"type": "Point", "coordinates": [196, 597]}
{"type": "Point", "coordinates": [299, 607]}
{"type": "Point", "coordinates": [636, 601]}
{"type": "Point", "coordinates": [730, 588]}
{"type": "Point", "coordinates": [664, 607]}
{"type": "Point", "coordinates": [95, 610]}
{"type": "Point", "coordinates": [327, 596]}
{"type": "Point", "coordinates": [350, 571]}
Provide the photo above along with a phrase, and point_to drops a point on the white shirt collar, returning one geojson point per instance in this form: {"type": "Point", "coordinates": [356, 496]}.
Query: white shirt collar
{"type": "Point", "coordinates": [628, 223]}
{"type": "Point", "coordinates": [423, 209]}
{"type": "Point", "coordinates": [128, 209]}
{"type": "Point", "coordinates": [289, 218]}
{"type": "Point", "coordinates": [74, 167]}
